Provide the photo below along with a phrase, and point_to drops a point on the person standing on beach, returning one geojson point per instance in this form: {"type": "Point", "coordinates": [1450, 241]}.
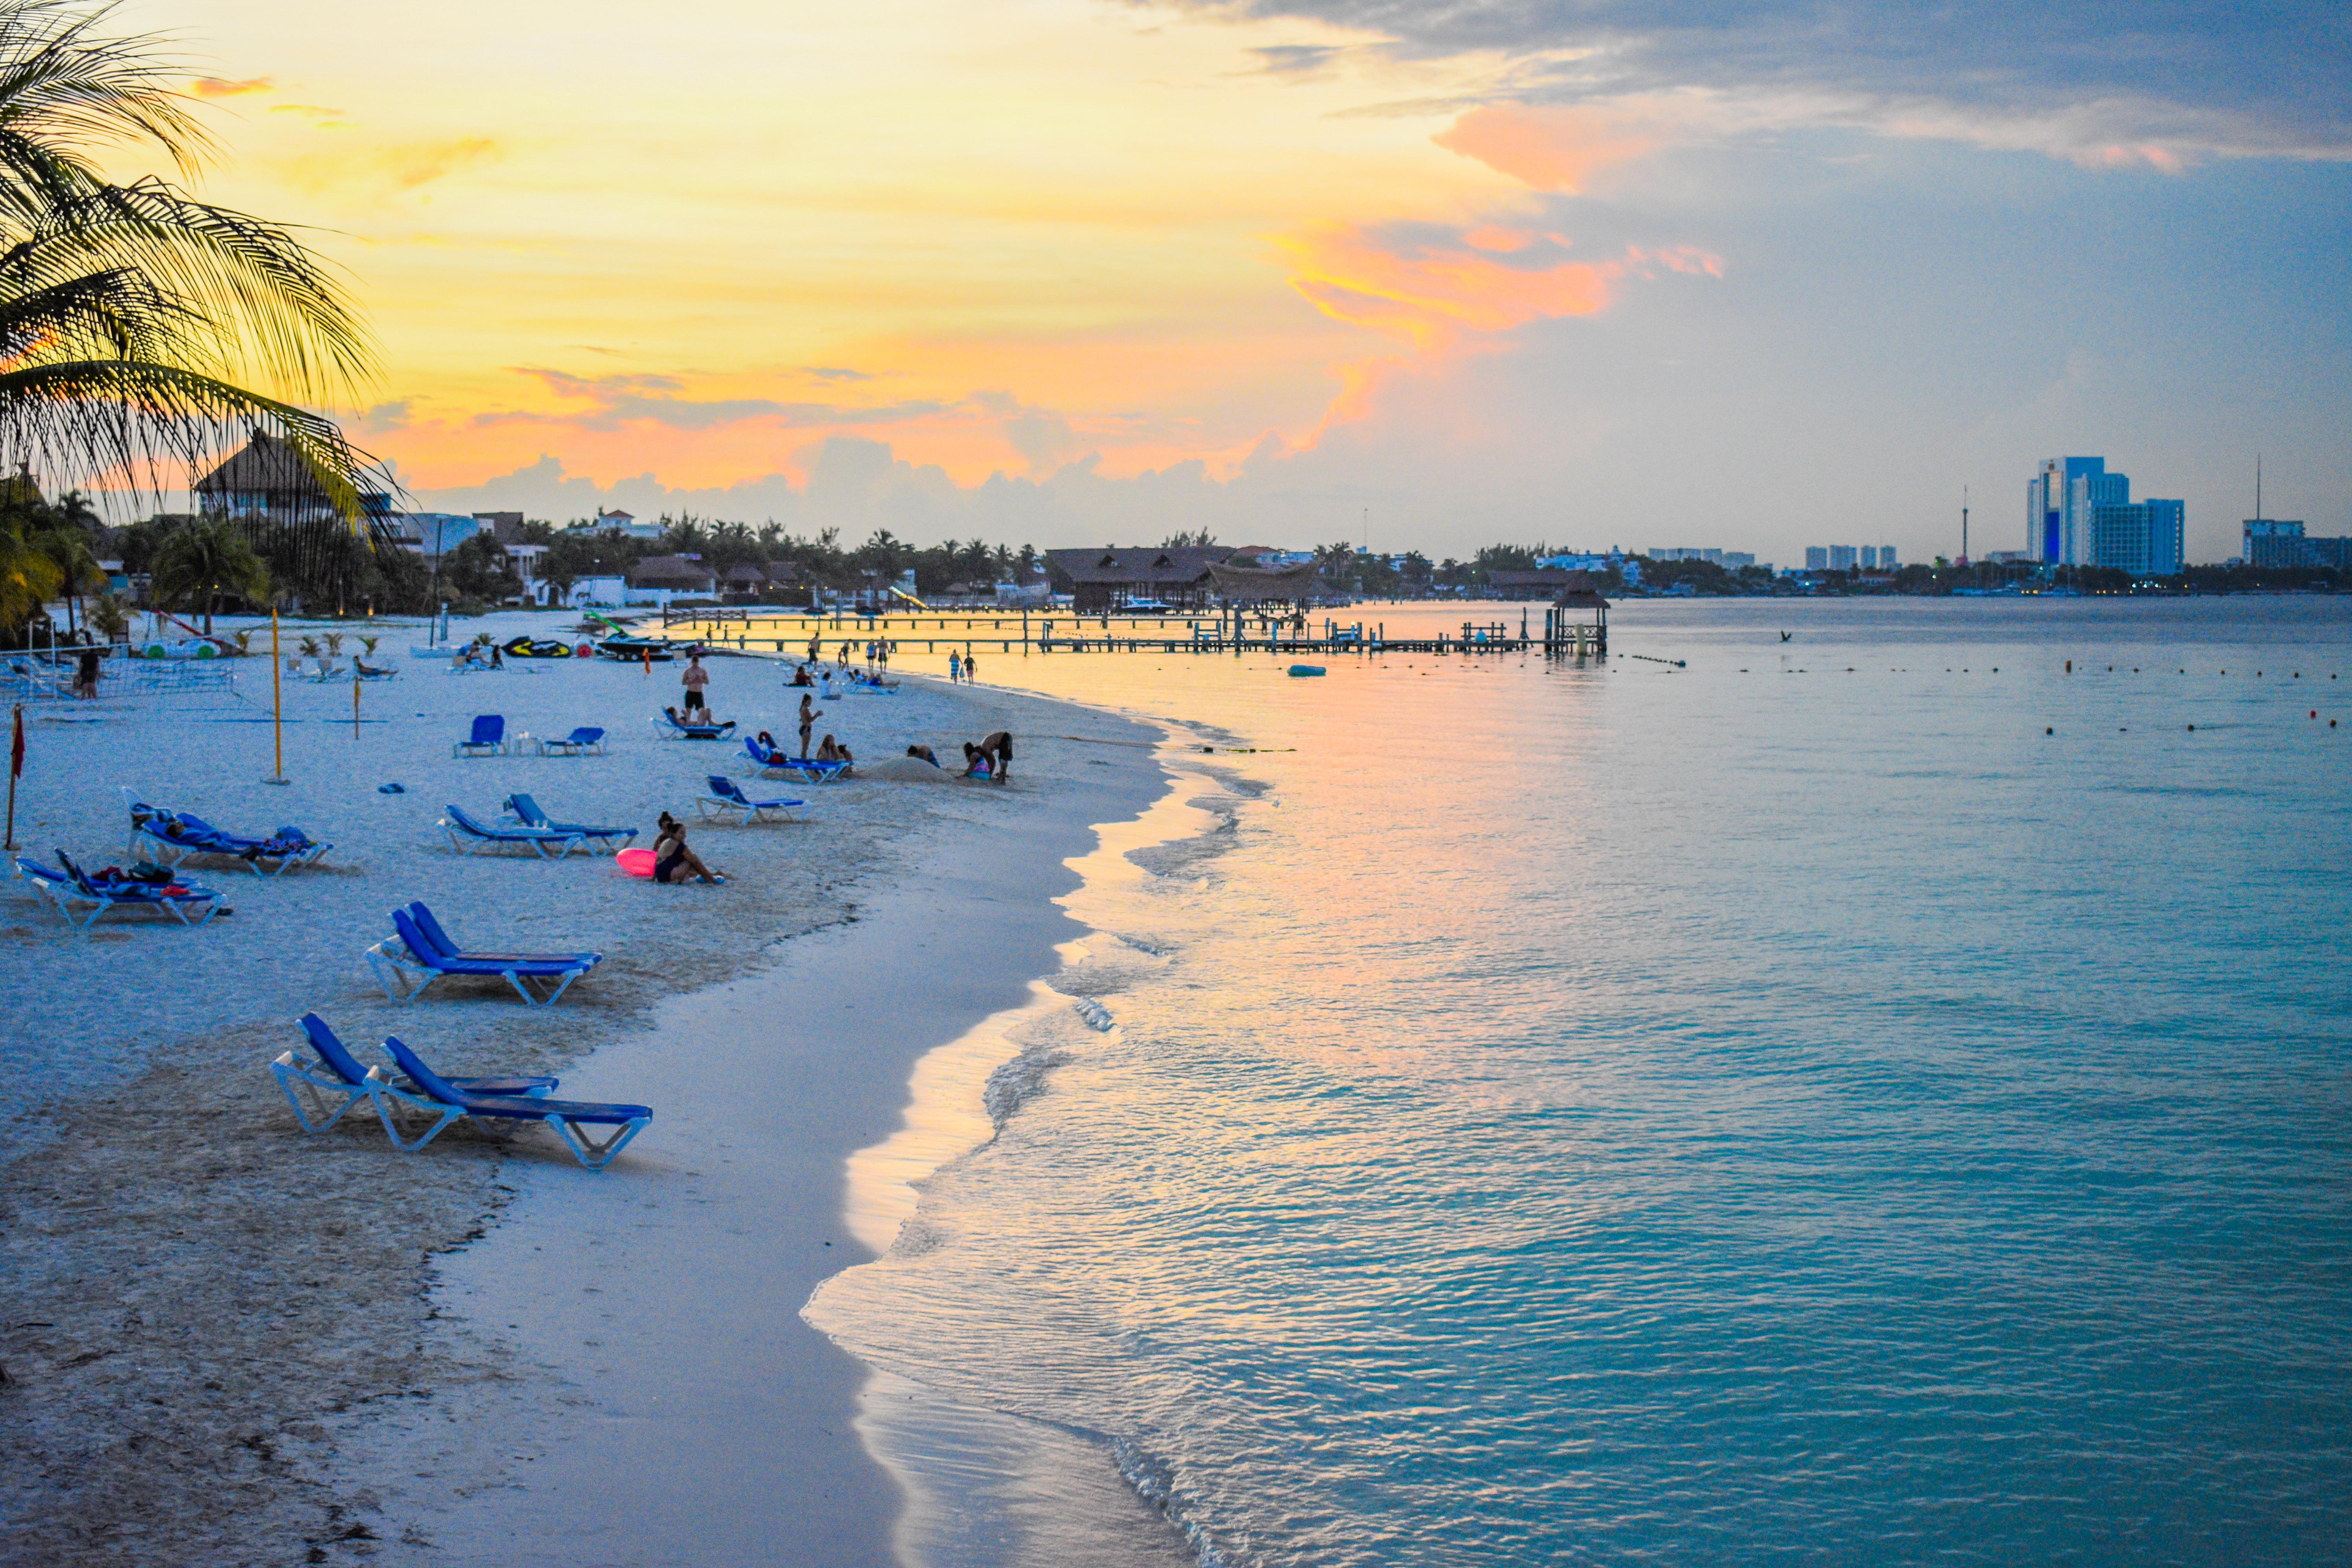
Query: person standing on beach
{"type": "Point", "coordinates": [971, 666]}
{"type": "Point", "coordinates": [695, 678]}
{"type": "Point", "coordinates": [955, 667]}
{"type": "Point", "coordinates": [808, 721]}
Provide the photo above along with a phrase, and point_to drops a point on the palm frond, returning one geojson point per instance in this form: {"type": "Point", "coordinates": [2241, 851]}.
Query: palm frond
{"type": "Point", "coordinates": [87, 420]}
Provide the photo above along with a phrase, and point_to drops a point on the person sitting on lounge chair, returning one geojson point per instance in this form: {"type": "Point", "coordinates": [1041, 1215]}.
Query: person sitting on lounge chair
{"type": "Point", "coordinates": [673, 861]}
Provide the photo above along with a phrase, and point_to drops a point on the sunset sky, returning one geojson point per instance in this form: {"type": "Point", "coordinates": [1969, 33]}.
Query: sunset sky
{"type": "Point", "coordinates": [1073, 271]}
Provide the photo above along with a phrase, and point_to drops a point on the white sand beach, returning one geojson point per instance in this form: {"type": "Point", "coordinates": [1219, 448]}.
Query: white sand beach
{"type": "Point", "coordinates": [225, 1340]}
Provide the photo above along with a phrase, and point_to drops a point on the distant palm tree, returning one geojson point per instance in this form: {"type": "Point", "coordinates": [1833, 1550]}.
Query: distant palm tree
{"type": "Point", "coordinates": [133, 318]}
{"type": "Point", "coordinates": [29, 575]}
{"type": "Point", "coordinates": [203, 562]}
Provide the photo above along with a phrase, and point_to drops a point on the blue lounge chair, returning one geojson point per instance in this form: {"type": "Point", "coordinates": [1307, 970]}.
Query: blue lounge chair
{"type": "Point", "coordinates": [674, 730]}
{"type": "Point", "coordinates": [586, 738]}
{"type": "Point", "coordinates": [166, 839]}
{"type": "Point", "coordinates": [444, 1103]}
{"type": "Point", "coordinates": [73, 890]}
{"type": "Point", "coordinates": [466, 835]}
{"type": "Point", "coordinates": [525, 810]}
{"type": "Point", "coordinates": [726, 798]}
{"type": "Point", "coordinates": [323, 1088]}
{"type": "Point", "coordinates": [410, 959]}
{"type": "Point", "coordinates": [775, 763]}
{"type": "Point", "coordinates": [487, 740]}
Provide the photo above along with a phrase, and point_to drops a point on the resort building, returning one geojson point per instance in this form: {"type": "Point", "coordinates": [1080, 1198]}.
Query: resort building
{"type": "Point", "coordinates": [266, 479]}
{"type": "Point", "coordinates": [1103, 580]}
{"type": "Point", "coordinates": [2079, 515]}
{"type": "Point", "coordinates": [2282, 543]}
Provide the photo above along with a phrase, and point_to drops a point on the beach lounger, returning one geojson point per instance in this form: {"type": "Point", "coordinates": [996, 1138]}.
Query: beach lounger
{"type": "Point", "coordinates": [166, 839]}
{"type": "Point", "coordinates": [775, 763]}
{"type": "Point", "coordinates": [584, 739]}
{"type": "Point", "coordinates": [525, 810]}
{"type": "Point", "coordinates": [489, 737]}
{"type": "Point", "coordinates": [410, 959]}
{"type": "Point", "coordinates": [674, 730]}
{"type": "Point", "coordinates": [82, 900]}
{"type": "Point", "coordinates": [466, 835]}
{"type": "Point", "coordinates": [727, 797]}
{"type": "Point", "coordinates": [443, 1102]}
{"type": "Point", "coordinates": [322, 1088]}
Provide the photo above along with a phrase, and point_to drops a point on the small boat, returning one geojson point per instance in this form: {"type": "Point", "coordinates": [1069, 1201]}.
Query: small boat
{"type": "Point", "coordinates": [1306, 669]}
{"type": "Point", "coordinates": [536, 648]}
{"type": "Point", "coordinates": [631, 650]}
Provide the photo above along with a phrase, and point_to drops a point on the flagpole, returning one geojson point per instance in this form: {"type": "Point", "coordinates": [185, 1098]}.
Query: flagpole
{"type": "Point", "coordinates": [15, 766]}
{"type": "Point", "coordinates": [277, 703]}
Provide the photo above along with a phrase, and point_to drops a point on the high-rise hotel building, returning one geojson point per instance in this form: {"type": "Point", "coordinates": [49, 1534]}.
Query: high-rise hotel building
{"type": "Point", "coordinates": [2078, 514]}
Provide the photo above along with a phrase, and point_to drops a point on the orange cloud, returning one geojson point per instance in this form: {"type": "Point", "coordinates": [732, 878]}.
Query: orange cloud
{"type": "Point", "coordinates": [216, 87]}
{"type": "Point", "coordinates": [1437, 289]}
{"type": "Point", "coordinates": [402, 166]}
{"type": "Point", "coordinates": [1557, 149]}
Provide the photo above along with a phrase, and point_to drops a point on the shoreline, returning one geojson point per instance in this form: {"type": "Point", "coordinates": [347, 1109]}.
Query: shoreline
{"type": "Point", "coordinates": [208, 1313]}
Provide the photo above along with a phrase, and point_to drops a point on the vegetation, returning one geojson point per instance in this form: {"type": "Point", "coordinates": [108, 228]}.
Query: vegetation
{"type": "Point", "coordinates": [205, 561]}
{"type": "Point", "coordinates": [137, 323]}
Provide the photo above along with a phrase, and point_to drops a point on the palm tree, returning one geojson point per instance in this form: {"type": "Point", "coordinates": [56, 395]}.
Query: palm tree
{"type": "Point", "coordinates": [203, 561]}
{"type": "Point", "coordinates": [29, 575]}
{"type": "Point", "coordinates": [136, 322]}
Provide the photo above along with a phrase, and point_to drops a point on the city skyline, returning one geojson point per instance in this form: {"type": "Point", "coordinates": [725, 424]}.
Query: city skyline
{"type": "Point", "coordinates": [1284, 271]}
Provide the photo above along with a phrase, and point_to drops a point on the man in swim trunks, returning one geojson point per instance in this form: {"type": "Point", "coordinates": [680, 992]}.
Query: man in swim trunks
{"type": "Point", "coordinates": [695, 678]}
{"type": "Point", "coordinates": [1000, 745]}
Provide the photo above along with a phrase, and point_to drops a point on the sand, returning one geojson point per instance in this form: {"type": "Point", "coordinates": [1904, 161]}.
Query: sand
{"type": "Point", "coordinates": [227, 1340]}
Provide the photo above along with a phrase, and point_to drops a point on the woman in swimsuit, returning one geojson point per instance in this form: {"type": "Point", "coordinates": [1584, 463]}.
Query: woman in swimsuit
{"type": "Point", "coordinates": [673, 861]}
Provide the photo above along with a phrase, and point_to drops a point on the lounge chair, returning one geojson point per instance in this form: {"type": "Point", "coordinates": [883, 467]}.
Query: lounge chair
{"type": "Point", "coordinates": [323, 1088]}
{"type": "Point", "coordinates": [775, 763]}
{"type": "Point", "coordinates": [166, 839]}
{"type": "Point", "coordinates": [525, 810]}
{"type": "Point", "coordinates": [678, 731]}
{"type": "Point", "coordinates": [727, 797]}
{"type": "Point", "coordinates": [466, 835]}
{"type": "Point", "coordinates": [586, 738]}
{"type": "Point", "coordinates": [444, 1103]}
{"type": "Point", "coordinates": [488, 739]}
{"type": "Point", "coordinates": [74, 890]}
{"type": "Point", "coordinates": [410, 959]}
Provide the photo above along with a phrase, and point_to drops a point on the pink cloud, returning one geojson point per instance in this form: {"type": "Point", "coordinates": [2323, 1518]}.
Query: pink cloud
{"type": "Point", "coordinates": [1554, 148]}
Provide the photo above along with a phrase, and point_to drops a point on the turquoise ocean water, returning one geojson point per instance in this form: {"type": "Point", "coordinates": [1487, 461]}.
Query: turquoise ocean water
{"type": "Point", "coordinates": [1785, 1106]}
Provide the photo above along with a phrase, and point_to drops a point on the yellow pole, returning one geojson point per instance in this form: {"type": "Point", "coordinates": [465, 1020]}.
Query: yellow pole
{"type": "Point", "coordinates": [277, 703]}
{"type": "Point", "coordinates": [355, 700]}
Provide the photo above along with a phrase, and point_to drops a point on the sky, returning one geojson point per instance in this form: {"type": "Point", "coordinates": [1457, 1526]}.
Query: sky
{"type": "Point", "coordinates": [1753, 275]}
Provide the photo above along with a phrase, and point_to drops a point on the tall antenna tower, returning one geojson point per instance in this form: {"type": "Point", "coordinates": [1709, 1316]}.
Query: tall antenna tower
{"type": "Point", "coordinates": [1964, 525]}
{"type": "Point", "coordinates": [2258, 487]}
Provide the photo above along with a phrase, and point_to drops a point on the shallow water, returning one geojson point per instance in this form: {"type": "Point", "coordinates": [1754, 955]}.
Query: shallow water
{"type": "Point", "coordinates": [1787, 1105]}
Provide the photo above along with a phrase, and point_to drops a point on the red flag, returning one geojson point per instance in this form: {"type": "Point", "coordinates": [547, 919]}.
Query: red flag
{"type": "Point", "coordinates": [16, 748]}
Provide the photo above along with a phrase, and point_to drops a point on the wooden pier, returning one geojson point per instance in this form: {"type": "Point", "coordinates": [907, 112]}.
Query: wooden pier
{"type": "Point", "coordinates": [1566, 632]}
